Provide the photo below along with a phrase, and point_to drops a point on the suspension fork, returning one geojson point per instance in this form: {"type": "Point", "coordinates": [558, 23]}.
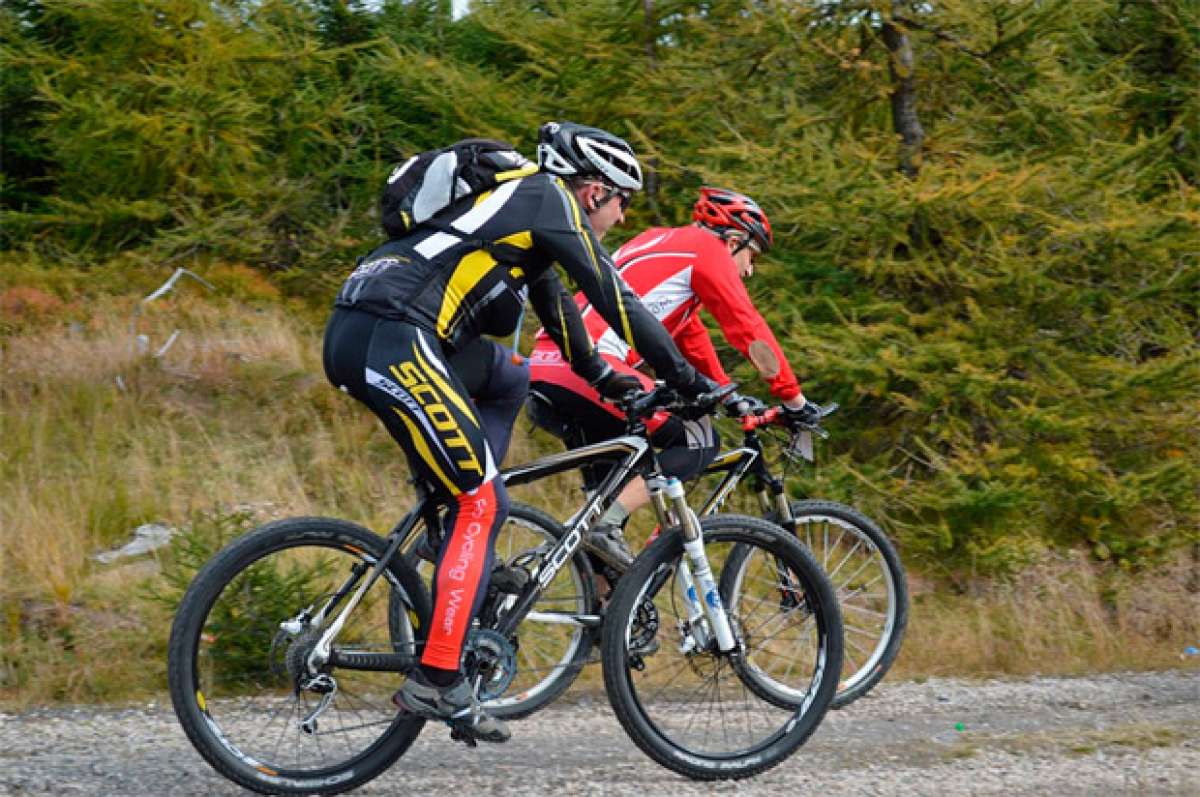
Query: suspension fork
{"type": "Point", "coordinates": [699, 591]}
{"type": "Point", "coordinates": [772, 495]}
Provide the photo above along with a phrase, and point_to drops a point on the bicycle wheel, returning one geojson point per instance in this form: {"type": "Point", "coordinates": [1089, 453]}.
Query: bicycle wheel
{"type": "Point", "coordinates": [551, 644]}
{"type": "Point", "coordinates": [688, 706]}
{"type": "Point", "coordinates": [871, 588]}
{"type": "Point", "coordinates": [238, 652]}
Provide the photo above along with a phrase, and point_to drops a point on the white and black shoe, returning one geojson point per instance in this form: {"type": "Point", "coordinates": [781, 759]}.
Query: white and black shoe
{"type": "Point", "coordinates": [607, 543]}
{"type": "Point", "coordinates": [455, 705]}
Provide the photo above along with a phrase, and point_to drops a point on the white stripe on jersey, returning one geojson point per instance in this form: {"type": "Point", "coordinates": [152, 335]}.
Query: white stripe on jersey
{"type": "Point", "coordinates": [588, 308]}
{"type": "Point", "coordinates": [663, 299]}
{"type": "Point", "coordinates": [469, 222]}
{"type": "Point", "coordinates": [635, 260]}
{"type": "Point", "coordinates": [627, 250]}
{"type": "Point", "coordinates": [610, 343]}
{"type": "Point", "coordinates": [434, 359]}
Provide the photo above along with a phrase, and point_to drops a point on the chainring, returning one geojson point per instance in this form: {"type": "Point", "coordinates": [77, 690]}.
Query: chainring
{"type": "Point", "coordinates": [491, 657]}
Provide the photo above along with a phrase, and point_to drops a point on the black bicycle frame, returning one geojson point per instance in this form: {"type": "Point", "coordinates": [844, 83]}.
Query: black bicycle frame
{"type": "Point", "coordinates": [638, 455]}
{"type": "Point", "coordinates": [735, 464]}
{"type": "Point", "coordinates": [628, 454]}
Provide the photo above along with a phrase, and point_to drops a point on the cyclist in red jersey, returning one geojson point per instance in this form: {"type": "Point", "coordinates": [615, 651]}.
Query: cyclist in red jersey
{"type": "Point", "coordinates": [675, 271]}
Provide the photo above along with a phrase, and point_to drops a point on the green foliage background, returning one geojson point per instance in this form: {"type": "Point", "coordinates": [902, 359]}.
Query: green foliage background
{"type": "Point", "coordinates": [1011, 328]}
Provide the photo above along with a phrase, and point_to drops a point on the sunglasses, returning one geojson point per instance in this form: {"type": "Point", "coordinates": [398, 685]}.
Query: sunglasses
{"type": "Point", "coordinates": [748, 241]}
{"type": "Point", "coordinates": [624, 195]}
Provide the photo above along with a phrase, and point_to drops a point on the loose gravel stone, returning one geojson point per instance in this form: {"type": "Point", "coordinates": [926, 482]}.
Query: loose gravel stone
{"type": "Point", "coordinates": [1123, 734]}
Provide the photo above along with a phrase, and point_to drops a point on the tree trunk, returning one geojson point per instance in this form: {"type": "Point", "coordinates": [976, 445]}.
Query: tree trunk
{"type": "Point", "coordinates": [651, 164]}
{"type": "Point", "coordinates": [901, 67]}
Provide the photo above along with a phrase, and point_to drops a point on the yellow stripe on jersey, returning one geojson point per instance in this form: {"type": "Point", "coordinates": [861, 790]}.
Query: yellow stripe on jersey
{"type": "Point", "coordinates": [562, 325]}
{"type": "Point", "coordinates": [521, 240]}
{"type": "Point", "coordinates": [587, 240]}
{"type": "Point", "coordinates": [512, 174]}
{"type": "Point", "coordinates": [621, 309]}
{"type": "Point", "coordinates": [426, 454]}
{"type": "Point", "coordinates": [467, 274]}
{"type": "Point", "coordinates": [449, 392]}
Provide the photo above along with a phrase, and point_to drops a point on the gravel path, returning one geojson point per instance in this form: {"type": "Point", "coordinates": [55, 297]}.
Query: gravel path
{"type": "Point", "coordinates": [1135, 733]}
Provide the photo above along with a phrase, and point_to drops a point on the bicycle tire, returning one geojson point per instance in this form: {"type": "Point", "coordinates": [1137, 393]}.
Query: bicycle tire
{"type": "Point", "coordinates": [289, 558]}
{"type": "Point", "coordinates": [636, 700]}
{"type": "Point", "coordinates": [542, 647]}
{"type": "Point", "coordinates": [874, 632]}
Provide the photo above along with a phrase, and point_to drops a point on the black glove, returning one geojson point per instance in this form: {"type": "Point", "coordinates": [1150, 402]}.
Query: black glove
{"type": "Point", "coordinates": [699, 385]}
{"type": "Point", "coordinates": [808, 415]}
{"type": "Point", "coordinates": [614, 384]}
{"type": "Point", "coordinates": [737, 405]}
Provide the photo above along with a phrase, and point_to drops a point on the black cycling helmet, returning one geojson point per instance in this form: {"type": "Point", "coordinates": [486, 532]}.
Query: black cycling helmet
{"type": "Point", "coordinates": [570, 150]}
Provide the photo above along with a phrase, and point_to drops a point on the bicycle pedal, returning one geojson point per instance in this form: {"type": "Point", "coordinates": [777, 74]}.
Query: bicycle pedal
{"type": "Point", "coordinates": [636, 663]}
{"type": "Point", "coordinates": [458, 736]}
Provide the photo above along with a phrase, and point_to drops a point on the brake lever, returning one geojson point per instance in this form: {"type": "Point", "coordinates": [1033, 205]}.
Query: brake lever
{"type": "Point", "coordinates": [800, 446]}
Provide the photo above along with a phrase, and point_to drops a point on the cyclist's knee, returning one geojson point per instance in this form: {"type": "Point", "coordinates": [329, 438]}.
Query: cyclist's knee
{"type": "Point", "coordinates": [682, 462]}
{"type": "Point", "coordinates": [488, 499]}
{"type": "Point", "coordinates": [509, 377]}
{"type": "Point", "coordinates": [688, 447]}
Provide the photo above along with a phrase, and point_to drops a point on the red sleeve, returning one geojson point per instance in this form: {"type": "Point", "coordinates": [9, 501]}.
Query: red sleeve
{"type": "Point", "coordinates": [719, 288]}
{"type": "Point", "coordinates": [697, 347]}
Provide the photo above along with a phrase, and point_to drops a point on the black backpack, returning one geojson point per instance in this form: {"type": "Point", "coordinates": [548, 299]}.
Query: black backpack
{"type": "Point", "coordinates": [429, 182]}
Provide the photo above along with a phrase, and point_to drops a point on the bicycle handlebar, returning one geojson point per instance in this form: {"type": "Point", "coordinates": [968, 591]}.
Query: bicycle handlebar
{"type": "Point", "coordinates": [639, 405]}
{"type": "Point", "coordinates": [775, 416]}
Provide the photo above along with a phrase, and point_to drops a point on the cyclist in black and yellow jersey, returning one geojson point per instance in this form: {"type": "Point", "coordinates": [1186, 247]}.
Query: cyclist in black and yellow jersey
{"type": "Point", "coordinates": [415, 301]}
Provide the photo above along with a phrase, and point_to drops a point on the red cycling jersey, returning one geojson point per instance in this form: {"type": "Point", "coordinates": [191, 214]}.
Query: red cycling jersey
{"type": "Point", "coordinates": [675, 271]}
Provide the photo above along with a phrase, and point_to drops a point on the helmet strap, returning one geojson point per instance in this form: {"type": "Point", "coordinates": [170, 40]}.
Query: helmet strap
{"type": "Point", "coordinates": [740, 238]}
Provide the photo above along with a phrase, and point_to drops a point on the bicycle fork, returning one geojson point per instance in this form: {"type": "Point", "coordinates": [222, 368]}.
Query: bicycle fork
{"type": "Point", "coordinates": [698, 587]}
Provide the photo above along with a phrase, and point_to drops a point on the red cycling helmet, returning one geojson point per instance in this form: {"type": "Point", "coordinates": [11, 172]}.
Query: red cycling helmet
{"type": "Point", "coordinates": [726, 211]}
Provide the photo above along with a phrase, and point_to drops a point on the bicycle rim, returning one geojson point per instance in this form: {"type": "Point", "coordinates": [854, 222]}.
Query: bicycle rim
{"type": "Point", "coordinates": [870, 590]}
{"type": "Point", "coordinates": [248, 677]}
{"type": "Point", "coordinates": [692, 709]}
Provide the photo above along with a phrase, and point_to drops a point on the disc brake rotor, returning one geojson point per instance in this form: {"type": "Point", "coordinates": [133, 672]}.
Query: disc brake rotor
{"type": "Point", "coordinates": [644, 626]}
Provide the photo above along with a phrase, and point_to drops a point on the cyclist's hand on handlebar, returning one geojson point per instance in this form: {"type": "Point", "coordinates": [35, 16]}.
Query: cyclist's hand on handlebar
{"type": "Point", "coordinates": [615, 384]}
{"type": "Point", "coordinates": [699, 385]}
{"type": "Point", "coordinates": [808, 415]}
{"type": "Point", "coordinates": [736, 405]}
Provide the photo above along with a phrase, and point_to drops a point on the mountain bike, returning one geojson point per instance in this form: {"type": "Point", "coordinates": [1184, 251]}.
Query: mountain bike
{"type": "Point", "coordinates": [857, 556]}
{"type": "Point", "coordinates": [855, 553]}
{"type": "Point", "coordinates": [287, 645]}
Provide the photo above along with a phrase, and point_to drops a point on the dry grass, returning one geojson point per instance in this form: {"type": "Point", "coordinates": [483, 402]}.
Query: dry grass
{"type": "Point", "coordinates": [1063, 616]}
{"type": "Point", "coordinates": [100, 437]}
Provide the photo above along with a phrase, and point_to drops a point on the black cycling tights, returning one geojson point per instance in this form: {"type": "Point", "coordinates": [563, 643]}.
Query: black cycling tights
{"type": "Point", "coordinates": [401, 373]}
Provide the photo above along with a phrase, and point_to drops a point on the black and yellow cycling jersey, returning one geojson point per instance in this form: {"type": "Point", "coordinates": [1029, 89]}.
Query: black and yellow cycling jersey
{"type": "Point", "coordinates": [471, 274]}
